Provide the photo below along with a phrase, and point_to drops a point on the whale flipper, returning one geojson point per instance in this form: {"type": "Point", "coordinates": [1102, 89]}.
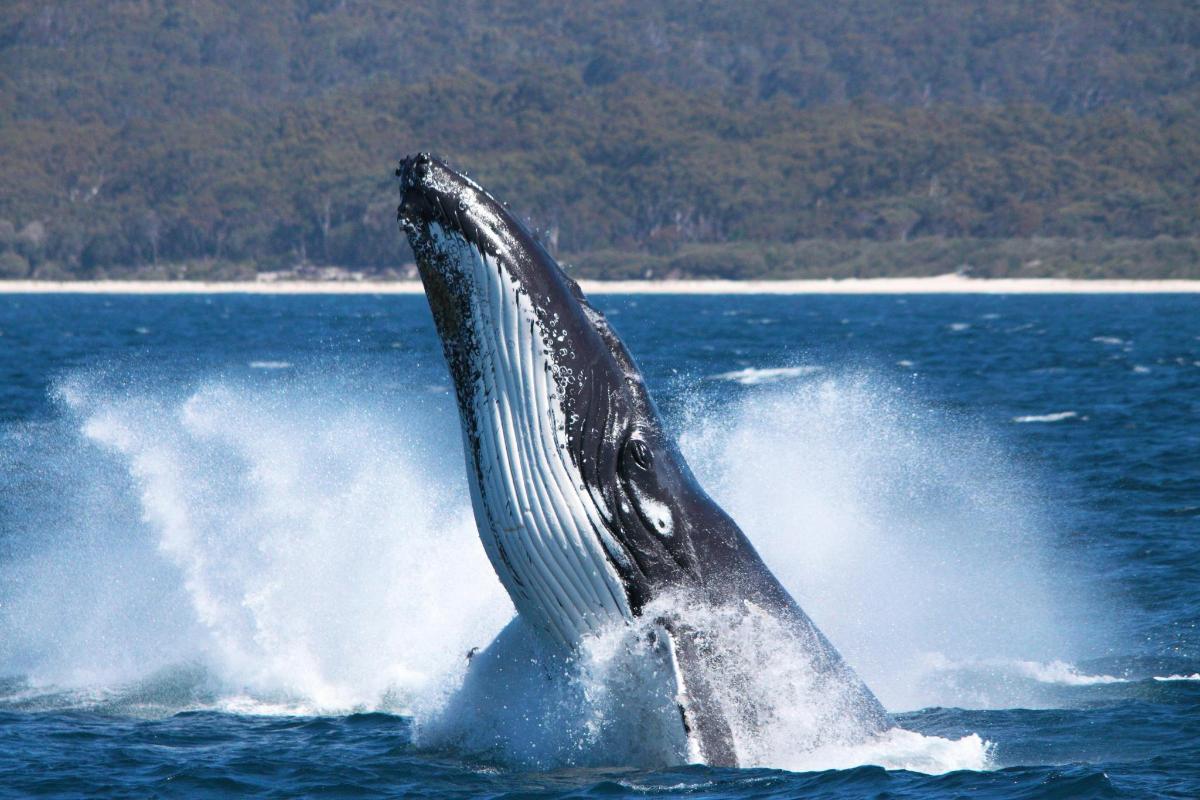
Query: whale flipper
{"type": "Point", "coordinates": [705, 724]}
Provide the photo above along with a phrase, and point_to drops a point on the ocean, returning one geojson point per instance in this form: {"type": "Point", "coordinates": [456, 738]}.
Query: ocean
{"type": "Point", "coordinates": [237, 556]}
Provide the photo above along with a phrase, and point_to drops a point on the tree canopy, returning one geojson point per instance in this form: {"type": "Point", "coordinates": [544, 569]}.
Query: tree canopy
{"type": "Point", "coordinates": [136, 135]}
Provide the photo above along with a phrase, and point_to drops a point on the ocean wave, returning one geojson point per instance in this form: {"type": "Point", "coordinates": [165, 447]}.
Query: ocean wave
{"type": "Point", "coordinates": [246, 705]}
{"type": "Point", "coordinates": [1193, 677]}
{"type": "Point", "coordinates": [1058, 416]}
{"type": "Point", "coordinates": [754, 376]}
{"type": "Point", "coordinates": [1062, 673]}
{"type": "Point", "coordinates": [903, 749]}
{"type": "Point", "coordinates": [1009, 682]}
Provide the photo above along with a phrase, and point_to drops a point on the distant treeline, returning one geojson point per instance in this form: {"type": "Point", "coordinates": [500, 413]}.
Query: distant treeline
{"type": "Point", "coordinates": [679, 138]}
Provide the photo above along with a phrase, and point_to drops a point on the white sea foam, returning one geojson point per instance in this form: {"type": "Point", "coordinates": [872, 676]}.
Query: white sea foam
{"type": "Point", "coordinates": [527, 706]}
{"type": "Point", "coordinates": [754, 376]}
{"type": "Point", "coordinates": [1055, 672]}
{"type": "Point", "coordinates": [902, 749]}
{"type": "Point", "coordinates": [522, 703]}
{"type": "Point", "coordinates": [1062, 673]}
{"type": "Point", "coordinates": [1108, 340]}
{"type": "Point", "coordinates": [250, 706]}
{"type": "Point", "coordinates": [1057, 416]}
{"type": "Point", "coordinates": [1003, 682]}
{"type": "Point", "coordinates": [270, 364]}
{"type": "Point", "coordinates": [1193, 677]}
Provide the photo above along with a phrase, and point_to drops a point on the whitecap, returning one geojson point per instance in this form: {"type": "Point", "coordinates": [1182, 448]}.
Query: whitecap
{"type": "Point", "coordinates": [959, 326]}
{"type": "Point", "coordinates": [250, 706]}
{"type": "Point", "coordinates": [1058, 416]}
{"type": "Point", "coordinates": [902, 749]}
{"type": "Point", "coordinates": [1195, 676]}
{"type": "Point", "coordinates": [753, 376]}
{"type": "Point", "coordinates": [1003, 682]}
{"type": "Point", "coordinates": [1108, 340]}
{"type": "Point", "coordinates": [270, 364]}
{"type": "Point", "coordinates": [1062, 674]}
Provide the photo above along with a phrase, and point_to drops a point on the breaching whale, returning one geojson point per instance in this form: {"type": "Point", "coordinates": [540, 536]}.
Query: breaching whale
{"type": "Point", "coordinates": [584, 504]}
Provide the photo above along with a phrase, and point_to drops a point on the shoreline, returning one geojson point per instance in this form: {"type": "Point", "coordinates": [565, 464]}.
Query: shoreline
{"type": "Point", "coordinates": [941, 284]}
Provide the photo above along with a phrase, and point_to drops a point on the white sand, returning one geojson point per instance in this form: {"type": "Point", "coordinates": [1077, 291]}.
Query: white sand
{"type": "Point", "coordinates": [942, 284]}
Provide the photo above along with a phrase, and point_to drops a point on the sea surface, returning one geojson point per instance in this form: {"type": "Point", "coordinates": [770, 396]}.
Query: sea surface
{"type": "Point", "coordinates": [237, 556]}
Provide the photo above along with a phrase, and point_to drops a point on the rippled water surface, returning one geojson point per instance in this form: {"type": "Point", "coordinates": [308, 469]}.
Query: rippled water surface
{"type": "Point", "coordinates": [237, 555]}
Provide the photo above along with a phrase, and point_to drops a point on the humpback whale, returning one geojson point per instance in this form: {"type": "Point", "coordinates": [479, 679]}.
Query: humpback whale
{"type": "Point", "coordinates": [584, 503]}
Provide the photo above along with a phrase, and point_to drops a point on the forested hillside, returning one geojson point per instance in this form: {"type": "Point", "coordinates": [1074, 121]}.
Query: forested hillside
{"type": "Point", "coordinates": [215, 137]}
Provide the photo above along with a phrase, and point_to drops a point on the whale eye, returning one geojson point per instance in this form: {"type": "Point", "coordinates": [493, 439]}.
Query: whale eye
{"type": "Point", "coordinates": [640, 453]}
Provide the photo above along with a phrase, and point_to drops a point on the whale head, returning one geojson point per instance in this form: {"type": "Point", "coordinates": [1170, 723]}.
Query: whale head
{"type": "Point", "coordinates": [583, 501]}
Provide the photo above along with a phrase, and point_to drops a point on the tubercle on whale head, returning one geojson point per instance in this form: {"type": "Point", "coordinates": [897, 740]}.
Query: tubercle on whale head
{"type": "Point", "coordinates": [433, 193]}
{"type": "Point", "coordinates": [445, 215]}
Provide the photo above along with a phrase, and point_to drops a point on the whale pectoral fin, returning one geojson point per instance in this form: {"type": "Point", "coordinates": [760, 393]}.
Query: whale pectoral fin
{"type": "Point", "coordinates": [709, 737]}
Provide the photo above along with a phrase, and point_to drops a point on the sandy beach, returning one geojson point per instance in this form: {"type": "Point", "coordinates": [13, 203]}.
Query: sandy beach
{"type": "Point", "coordinates": [942, 284]}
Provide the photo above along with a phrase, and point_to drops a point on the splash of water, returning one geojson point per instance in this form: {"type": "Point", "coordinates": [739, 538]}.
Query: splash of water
{"type": "Point", "coordinates": [268, 550]}
{"type": "Point", "coordinates": [614, 702]}
{"type": "Point", "coordinates": [906, 534]}
{"type": "Point", "coordinates": [300, 549]}
{"type": "Point", "coordinates": [525, 704]}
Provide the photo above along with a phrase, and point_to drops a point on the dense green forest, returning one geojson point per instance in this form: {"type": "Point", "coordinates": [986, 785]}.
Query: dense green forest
{"type": "Point", "coordinates": [219, 138]}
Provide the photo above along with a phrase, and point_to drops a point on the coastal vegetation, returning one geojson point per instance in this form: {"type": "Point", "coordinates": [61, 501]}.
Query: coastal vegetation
{"type": "Point", "coordinates": [765, 139]}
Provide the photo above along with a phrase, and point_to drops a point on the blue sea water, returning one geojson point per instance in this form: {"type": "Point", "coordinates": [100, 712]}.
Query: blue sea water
{"type": "Point", "coordinates": [237, 558]}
